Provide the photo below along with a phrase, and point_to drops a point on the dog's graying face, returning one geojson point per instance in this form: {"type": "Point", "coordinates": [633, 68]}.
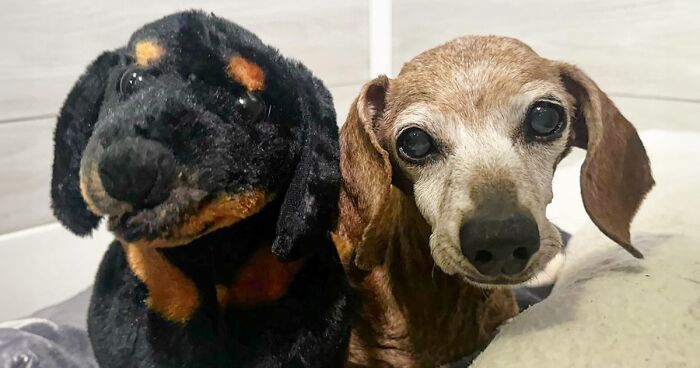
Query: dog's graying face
{"type": "Point", "coordinates": [193, 126]}
{"type": "Point", "coordinates": [479, 146]}
{"type": "Point", "coordinates": [473, 131]}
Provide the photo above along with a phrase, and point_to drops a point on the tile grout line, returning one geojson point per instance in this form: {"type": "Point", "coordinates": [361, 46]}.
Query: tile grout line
{"type": "Point", "coordinates": [35, 118]}
{"type": "Point", "coordinates": [31, 118]}
{"type": "Point", "coordinates": [653, 97]}
{"type": "Point", "coordinates": [36, 229]}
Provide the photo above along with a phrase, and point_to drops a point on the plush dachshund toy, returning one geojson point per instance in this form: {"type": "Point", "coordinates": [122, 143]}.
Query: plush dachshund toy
{"type": "Point", "coordinates": [215, 162]}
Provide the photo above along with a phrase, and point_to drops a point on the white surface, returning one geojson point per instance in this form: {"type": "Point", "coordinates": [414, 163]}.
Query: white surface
{"type": "Point", "coordinates": [611, 310]}
{"type": "Point", "coordinates": [26, 152]}
{"type": "Point", "coordinates": [45, 265]}
{"type": "Point", "coordinates": [566, 209]}
{"type": "Point", "coordinates": [379, 37]}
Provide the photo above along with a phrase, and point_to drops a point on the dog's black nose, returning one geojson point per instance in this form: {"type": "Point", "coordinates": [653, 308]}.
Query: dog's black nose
{"type": "Point", "coordinates": [137, 171]}
{"type": "Point", "coordinates": [500, 246]}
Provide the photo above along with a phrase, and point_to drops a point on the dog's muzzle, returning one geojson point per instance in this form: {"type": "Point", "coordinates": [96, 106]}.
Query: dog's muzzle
{"type": "Point", "coordinates": [138, 171]}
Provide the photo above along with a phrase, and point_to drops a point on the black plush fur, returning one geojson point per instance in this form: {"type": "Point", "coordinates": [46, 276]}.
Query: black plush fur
{"type": "Point", "coordinates": [181, 121]}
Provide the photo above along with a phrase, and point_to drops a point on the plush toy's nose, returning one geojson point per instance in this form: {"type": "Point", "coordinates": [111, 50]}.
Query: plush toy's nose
{"type": "Point", "coordinates": [500, 246]}
{"type": "Point", "coordinates": [137, 171]}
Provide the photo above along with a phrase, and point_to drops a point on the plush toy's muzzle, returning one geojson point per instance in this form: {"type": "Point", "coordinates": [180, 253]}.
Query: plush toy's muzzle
{"type": "Point", "coordinates": [156, 162]}
{"type": "Point", "coordinates": [130, 162]}
{"type": "Point", "coordinates": [140, 172]}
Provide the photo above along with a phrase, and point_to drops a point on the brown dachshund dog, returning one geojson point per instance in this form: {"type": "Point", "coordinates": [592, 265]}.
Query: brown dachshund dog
{"type": "Point", "coordinates": [447, 171]}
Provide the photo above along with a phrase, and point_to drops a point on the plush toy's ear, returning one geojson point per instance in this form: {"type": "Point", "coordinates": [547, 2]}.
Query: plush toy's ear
{"type": "Point", "coordinates": [310, 204]}
{"type": "Point", "coordinates": [615, 176]}
{"type": "Point", "coordinates": [73, 130]}
{"type": "Point", "coordinates": [366, 178]}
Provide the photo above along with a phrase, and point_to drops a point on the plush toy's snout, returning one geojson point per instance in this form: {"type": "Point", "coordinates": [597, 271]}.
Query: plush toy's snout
{"type": "Point", "coordinates": [140, 172]}
{"type": "Point", "coordinates": [130, 162]}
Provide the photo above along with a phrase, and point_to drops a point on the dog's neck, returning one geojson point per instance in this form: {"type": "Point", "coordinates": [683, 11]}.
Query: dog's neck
{"type": "Point", "coordinates": [413, 314]}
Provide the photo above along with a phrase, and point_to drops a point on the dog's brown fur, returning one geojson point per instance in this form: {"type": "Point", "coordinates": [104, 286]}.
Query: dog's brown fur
{"type": "Point", "coordinates": [423, 303]}
{"type": "Point", "coordinates": [414, 315]}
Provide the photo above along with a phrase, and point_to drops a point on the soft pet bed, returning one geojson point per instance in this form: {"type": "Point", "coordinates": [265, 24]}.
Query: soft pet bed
{"type": "Point", "coordinates": [36, 342]}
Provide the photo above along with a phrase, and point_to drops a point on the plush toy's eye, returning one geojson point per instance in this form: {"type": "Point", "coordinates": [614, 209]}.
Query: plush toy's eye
{"type": "Point", "coordinates": [545, 118]}
{"type": "Point", "coordinates": [250, 106]}
{"type": "Point", "coordinates": [415, 144]}
{"type": "Point", "coordinates": [134, 79]}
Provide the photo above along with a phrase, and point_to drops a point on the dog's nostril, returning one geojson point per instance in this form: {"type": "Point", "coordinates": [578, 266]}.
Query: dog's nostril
{"type": "Point", "coordinates": [483, 256]}
{"type": "Point", "coordinates": [521, 253]}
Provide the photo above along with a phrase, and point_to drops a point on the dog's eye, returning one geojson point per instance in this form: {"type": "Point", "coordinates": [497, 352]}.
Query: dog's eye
{"type": "Point", "coordinates": [133, 79]}
{"type": "Point", "coordinates": [544, 118]}
{"type": "Point", "coordinates": [415, 144]}
{"type": "Point", "coordinates": [250, 106]}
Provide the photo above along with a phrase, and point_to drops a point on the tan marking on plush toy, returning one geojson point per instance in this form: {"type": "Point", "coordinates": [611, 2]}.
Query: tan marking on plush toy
{"type": "Point", "coordinates": [251, 76]}
{"type": "Point", "coordinates": [95, 196]}
{"type": "Point", "coordinates": [84, 192]}
{"type": "Point", "coordinates": [263, 279]}
{"type": "Point", "coordinates": [147, 52]}
{"type": "Point", "coordinates": [219, 213]}
{"type": "Point", "coordinates": [170, 293]}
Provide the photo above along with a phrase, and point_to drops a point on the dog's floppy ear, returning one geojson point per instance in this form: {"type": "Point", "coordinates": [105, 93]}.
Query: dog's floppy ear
{"type": "Point", "coordinates": [366, 177]}
{"type": "Point", "coordinates": [73, 130]}
{"type": "Point", "coordinates": [310, 203]}
{"type": "Point", "coordinates": [615, 176]}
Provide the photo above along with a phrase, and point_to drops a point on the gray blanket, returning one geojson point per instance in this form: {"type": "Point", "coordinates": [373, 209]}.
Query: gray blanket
{"type": "Point", "coordinates": [52, 337]}
{"type": "Point", "coordinates": [37, 342]}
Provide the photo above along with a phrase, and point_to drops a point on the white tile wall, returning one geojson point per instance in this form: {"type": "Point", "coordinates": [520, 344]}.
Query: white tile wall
{"type": "Point", "coordinates": [46, 44]}
{"type": "Point", "coordinates": [26, 153]}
